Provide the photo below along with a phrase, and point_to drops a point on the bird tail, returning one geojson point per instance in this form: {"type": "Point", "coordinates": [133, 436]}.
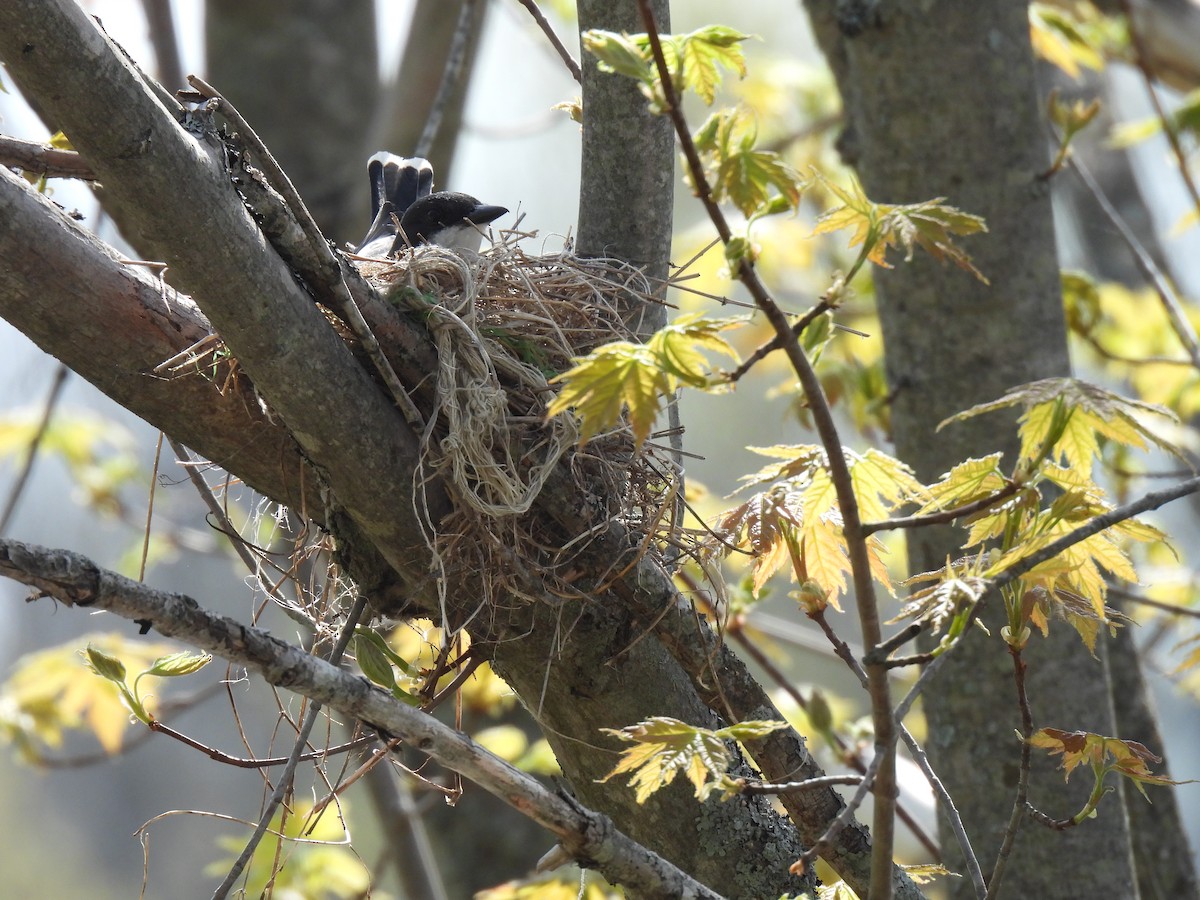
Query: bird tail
{"type": "Point", "coordinates": [397, 182]}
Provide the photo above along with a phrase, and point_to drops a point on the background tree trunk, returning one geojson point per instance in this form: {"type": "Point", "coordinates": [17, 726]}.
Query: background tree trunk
{"type": "Point", "coordinates": [940, 100]}
{"type": "Point", "coordinates": [305, 75]}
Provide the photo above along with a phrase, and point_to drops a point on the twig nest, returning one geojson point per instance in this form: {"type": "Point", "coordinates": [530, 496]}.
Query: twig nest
{"type": "Point", "coordinates": [505, 323]}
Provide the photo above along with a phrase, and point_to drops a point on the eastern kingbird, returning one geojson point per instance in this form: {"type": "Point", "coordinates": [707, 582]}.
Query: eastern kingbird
{"type": "Point", "coordinates": [401, 189]}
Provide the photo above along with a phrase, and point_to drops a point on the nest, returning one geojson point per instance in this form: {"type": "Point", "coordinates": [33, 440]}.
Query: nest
{"type": "Point", "coordinates": [504, 323]}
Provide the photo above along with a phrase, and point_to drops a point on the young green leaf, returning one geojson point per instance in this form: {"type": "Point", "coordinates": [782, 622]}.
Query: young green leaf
{"type": "Point", "coordinates": [185, 662]}
{"type": "Point", "coordinates": [739, 172]}
{"type": "Point", "coordinates": [639, 377]}
{"type": "Point", "coordinates": [1065, 418]}
{"type": "Point", "coordinates": [1102, 755]}
{"type": "Point", "coordinates": [374, 664]}
{"type": "Point", "coordinates": [104, 665]}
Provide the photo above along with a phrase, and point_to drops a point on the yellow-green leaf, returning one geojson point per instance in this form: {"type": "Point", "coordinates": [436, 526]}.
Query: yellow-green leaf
{"type": "Point", "coordinates": [185, 662]}
{"type": "Point", "coordinates": [662, 748]}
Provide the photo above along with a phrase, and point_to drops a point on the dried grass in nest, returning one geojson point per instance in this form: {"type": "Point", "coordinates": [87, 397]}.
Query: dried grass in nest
{"type": "Point", "coordinates": [504, 323]}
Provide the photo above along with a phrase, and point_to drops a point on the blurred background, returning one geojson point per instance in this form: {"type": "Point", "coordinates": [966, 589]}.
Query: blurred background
{"type": "Point", "coordinates": [323, 103]}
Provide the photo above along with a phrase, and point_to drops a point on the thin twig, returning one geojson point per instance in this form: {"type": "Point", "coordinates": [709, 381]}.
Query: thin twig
{"type": "Point", "coordinates": [150, 508]}
{"type": "Point", "coordinates": [455, 57]}
{"type": "Point", "coordinates": [242, 762]}
{"type": "Point", "coordinates": [162, 37]}
{"type": "Point", "coordinates": [945, 802]}
{"type": "Point", "coordinates": [1174, 309]}
{"type": "Point", "coordinates": [48, 407]}
{"type": "Point", "coordinates": [1142, 58]}
{"type": "Point", "coordinates": [946, 515]}
{"type": "Point", "coordinates": [1171, 608]}
{"type": "Point", "coordinates": [776, 342]}
{"type": "Point", "coordinates": [883, 826]}
{"type": "Point", "coordinates": [285, 777]}
{"type": "Point", "coordinates": [762, 787]}
{"type": "Point", "coordinates": [848, 755]}
{"type": "Point", "coordinates": [210, 500]}
{"type": "Point", "coordinates": [563, 53]}
{"type": "Point", "coordinates": [1019, 801]}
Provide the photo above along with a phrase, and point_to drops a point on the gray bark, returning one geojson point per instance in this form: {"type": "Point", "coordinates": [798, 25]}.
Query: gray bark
{"type": "Point", "coordinates": [627, 175]}
{"type": "Point", "coordinates": [940, 101]}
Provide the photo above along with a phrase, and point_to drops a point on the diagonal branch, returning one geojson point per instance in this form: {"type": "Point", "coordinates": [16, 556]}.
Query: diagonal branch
{"type": "Point", "coordinates": [587, 836]}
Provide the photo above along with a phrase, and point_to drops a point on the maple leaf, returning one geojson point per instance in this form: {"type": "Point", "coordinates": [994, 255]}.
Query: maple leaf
{"type": "Point", "coordinates": [704, 53]}
{"type": "Point", "coordinates": [761, 524]}
{"type": "Point", "coordinates": [636, 377]}
{"type": "Point", "coordinates": [695, 60]}
{"type": "Point", "coordinates": [953, 592]}
{"type": "Point", "coordinates": [663, 747]}
{"type": "Point", "coordinates": [1057, 37]}
{"type": "Point", "coordinates": [739, 172]}
{"type": "Point", "coordinates": [971, 480]}
{"type": "Point", "coordinates": [45, 695]}
{"type": "Point", "coordinates": [1065, 418]}
{"type": "Point", "coordinates": [800, 518]}
{"type": "Point", "coordinates": [1103, 755]}
{"type": "Point", "coordinates": [880, 226]}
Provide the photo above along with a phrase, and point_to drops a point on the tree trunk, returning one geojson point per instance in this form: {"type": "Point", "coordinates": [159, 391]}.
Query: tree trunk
{"type": "Point", "coordinates": [940, 101]}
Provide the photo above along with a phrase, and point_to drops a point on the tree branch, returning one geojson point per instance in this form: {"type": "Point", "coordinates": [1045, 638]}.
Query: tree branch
{"type": "Point", "coordinates": [588, 837]}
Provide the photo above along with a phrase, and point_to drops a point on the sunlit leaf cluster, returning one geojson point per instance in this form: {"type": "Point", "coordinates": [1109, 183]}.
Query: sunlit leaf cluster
{"type": "Point", "coordinates": [1101, 755]}
{"type": "Point", "coordinates": [639, 378]}
{"type": "Point", "coordinates": [796, 520]}
{"type": "Point", "coordinates": [663, 747]}
{"type": "Point", "coordinates": [695, 60]}
{"type": "Point", "coordinates": [878, 227]}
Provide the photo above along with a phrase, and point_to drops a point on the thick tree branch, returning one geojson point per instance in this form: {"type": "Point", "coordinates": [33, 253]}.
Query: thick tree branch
{"type": "Point", "coordinates": [348, 430]}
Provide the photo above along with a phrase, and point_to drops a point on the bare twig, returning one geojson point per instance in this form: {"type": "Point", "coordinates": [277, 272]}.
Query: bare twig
{"type": "Point", "coordinates": [74, 580]}
{"type": "Point", "coordinates": [162, 37]}
{"type": "Point", "coordinates": [1171, 305]}
{"type": "Point", "coordinates": [883, 828]}
{"type": "Point", "coordinates": [242, 762]}
{"type": "Point", "coordinates": [762, 787]}
{"type": "Point", "coordinates": [48, 407]}
{"type": "Point", "coordinates": [455, 57]}
{"type": "Point", "coordinates": [776, 342]}
{"type": "Point", "coordinates": [563, 53]}
{"type": "Point", "coordinates": [150, 509]}
{"type": "Point", "coordinates": [848, 754]}
{"type": "Point", "coordinates": [1173, 609]}
{"type": "Point", "coordinates": [1019, 801]}
{"type": "Point", "coordinates": [284, 785]}
{"type": "Point", "coordinates": [945, 801]}
{"type": "Point", "coordinates": [946, 515]}
{"type": "Point", "coordinates": [1142, 58]}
